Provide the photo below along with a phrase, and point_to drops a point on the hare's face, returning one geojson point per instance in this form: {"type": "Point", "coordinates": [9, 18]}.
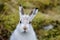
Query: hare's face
{"type": "Point", "coordinates": [24, 28]}
{"type": "Point", "coordinates": [26, 19]}
{"type": "Point", "coordinates": [25, 23]}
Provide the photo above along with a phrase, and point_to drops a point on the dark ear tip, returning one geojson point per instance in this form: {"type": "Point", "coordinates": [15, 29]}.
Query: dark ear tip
{"type": "Point", "coordinates": [20, 5]}
{"type": "Point", "coordinates": [36, 8]}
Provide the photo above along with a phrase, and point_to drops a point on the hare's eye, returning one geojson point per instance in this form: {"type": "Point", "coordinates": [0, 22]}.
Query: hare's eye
{"type": "Point", "coordinates": [20, 21]}
{"type": "Point", "coordinates": [29, 22]}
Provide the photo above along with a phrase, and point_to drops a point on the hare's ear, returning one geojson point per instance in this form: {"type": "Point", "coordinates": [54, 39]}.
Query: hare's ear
{"type": "Point", "coordinates": [33, 13]}
{"type": "Point", "coordinates": [21, 12]}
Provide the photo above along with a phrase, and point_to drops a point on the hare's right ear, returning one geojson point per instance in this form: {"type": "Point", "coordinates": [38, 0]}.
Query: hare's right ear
{"type": "Point", "coordinates": [21, 12]}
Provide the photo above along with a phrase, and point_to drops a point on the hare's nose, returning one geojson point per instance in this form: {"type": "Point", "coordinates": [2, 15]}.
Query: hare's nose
{"type": "Point", "coordinates": [25, 28]}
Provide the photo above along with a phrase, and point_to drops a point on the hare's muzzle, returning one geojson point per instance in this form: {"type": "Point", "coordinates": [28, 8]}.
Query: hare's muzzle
{"type": "Point", "coordinates": [25, 28]}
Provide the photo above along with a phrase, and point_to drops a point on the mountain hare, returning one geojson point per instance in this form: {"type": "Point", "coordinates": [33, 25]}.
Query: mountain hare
{"type": "Point", "coordinates": [24, 30]}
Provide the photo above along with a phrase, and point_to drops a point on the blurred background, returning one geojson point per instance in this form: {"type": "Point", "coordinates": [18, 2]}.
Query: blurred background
{"type": "Point", "coordinates": [46, 23]}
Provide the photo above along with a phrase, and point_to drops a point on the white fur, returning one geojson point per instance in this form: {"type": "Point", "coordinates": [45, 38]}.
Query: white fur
{"type": "Point", "coordinates": [19, 33]}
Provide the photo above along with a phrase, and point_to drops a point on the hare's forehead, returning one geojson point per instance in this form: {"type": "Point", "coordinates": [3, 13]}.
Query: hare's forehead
{"type": "Point", "coordinates": [25, 16]}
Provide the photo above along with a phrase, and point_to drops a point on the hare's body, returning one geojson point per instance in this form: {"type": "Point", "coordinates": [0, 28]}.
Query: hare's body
{"type": "Point", "coordinates": [24, 30]}
{"type": "Point", "coordinates": [18, 35]}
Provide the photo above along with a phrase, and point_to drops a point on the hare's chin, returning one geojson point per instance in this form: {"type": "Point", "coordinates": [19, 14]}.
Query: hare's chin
{"type": "Point", "coordinates": [24, 31]}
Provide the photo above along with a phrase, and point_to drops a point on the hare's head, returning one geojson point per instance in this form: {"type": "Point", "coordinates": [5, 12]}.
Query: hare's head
{"type": "Point", "coordinates": [25, 20]}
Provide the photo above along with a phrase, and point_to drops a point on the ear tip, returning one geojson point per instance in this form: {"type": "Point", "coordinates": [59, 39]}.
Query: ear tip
{"type": "Point", "coordinates": [20, 5]}
{"type": "Point", "coordinates": [36, 8]}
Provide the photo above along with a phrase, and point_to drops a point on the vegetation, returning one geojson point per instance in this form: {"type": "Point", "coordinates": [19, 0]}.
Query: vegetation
{"type": "Point", "coordinates": [49, 13]}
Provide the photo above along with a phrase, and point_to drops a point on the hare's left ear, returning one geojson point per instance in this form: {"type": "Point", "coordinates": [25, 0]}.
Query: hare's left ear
{"type": "Point", "coordinates": [21, 12]}
{"type": "Point", "coordinates": [33, 13]}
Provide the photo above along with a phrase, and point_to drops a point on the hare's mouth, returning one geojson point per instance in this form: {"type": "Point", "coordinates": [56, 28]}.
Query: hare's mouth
{"type": "Point", "coordinates": [24, 31]}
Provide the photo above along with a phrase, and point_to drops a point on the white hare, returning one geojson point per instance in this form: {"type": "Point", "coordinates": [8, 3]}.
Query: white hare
{"type": "Point", "coordinates": [24, 29]}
